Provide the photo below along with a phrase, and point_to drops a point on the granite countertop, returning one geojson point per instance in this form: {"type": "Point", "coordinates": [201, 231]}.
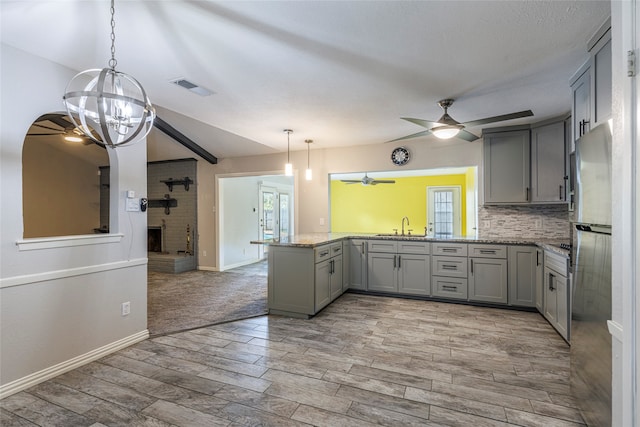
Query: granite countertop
{"type": "Point", "coordinates": [312, 240]}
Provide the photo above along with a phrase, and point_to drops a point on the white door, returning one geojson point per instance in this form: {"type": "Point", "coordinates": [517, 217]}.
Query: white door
{"type": "Point", "coordinates": [443, 211]}
{"type": "Point", "coordinates": [275, 215]}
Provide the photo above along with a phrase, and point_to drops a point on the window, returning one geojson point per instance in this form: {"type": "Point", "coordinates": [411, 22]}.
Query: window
{"type": "Point", "coordinates": [443, 207]}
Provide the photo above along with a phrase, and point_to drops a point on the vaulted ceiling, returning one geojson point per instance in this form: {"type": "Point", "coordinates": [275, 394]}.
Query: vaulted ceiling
{"type": "Point", "coordinates": [338, 72]}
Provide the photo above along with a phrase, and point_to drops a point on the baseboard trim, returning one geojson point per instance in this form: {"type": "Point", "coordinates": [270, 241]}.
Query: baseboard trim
{"type": "Point", "coordinates": [68, 365]}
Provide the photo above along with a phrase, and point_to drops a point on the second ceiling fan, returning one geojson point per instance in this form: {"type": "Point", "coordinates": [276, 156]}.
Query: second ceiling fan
{"type": "Point", "coordinates": [446, 127]}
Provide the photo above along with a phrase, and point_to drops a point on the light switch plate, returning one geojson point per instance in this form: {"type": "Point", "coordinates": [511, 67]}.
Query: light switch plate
{"type": "Point", "coordinates": [132, 205]}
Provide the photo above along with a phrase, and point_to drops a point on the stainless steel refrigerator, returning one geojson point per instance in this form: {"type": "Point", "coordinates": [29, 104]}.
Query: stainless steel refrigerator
{"type": "Point", "coordinates": [591, 278]}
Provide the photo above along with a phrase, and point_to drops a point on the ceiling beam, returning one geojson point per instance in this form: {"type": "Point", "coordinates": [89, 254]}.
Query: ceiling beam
{"type": "Point", "coordinates": [184, 140]}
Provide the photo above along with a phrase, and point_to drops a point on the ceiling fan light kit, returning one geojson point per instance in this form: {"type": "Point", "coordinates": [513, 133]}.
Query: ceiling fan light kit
{"type": "Point", "coordinates": [109, 102]}
{"type": "Point", "coordinates": [446, 127]}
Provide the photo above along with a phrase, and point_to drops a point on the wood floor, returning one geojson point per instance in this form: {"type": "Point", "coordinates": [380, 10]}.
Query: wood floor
{"type": "Point", "coordinates": [363, 361]}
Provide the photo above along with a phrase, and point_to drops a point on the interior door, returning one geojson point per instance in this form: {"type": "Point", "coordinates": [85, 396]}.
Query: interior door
{"type": "Point", "coordinates": [443, 211]}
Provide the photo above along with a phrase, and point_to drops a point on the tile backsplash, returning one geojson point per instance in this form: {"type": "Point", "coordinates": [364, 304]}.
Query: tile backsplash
{"type": "Point", "coordinates": [548, 221]}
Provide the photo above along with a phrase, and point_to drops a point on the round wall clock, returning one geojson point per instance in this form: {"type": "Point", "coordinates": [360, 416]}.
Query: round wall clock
{"type": "Point", "coordinates": [400, 156]}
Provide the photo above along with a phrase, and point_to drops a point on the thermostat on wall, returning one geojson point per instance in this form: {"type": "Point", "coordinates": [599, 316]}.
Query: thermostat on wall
{"type": "Point", "coordinates": [131, 194]}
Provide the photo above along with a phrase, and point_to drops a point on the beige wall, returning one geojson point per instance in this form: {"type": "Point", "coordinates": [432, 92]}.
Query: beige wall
{"type": "Point", "coordinates": [61, 193]}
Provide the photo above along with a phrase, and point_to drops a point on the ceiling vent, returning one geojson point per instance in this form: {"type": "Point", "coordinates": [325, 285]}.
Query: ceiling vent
{"type": "Point", "coordinates": [192, 87]}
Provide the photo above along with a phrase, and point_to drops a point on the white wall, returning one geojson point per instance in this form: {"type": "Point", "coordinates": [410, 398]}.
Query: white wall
{"type": "Point", "coordinates": [60, 299]}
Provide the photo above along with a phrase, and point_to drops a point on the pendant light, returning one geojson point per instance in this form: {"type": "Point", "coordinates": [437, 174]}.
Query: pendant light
{"type": "Point", "coordinates": [308, 174]}
{"type": "Point", "coordinates": [288, 167]}
{"type": "Point", "coordinates": [109, 106]}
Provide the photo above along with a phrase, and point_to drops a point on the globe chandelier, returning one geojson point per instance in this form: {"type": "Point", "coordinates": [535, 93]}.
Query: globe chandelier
{"type": "Point", "coordinates": [109, 106]}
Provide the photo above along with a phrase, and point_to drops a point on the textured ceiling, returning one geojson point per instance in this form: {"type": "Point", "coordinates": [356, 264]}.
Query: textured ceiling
{"type": "Point", "coordinates": [338, 72]}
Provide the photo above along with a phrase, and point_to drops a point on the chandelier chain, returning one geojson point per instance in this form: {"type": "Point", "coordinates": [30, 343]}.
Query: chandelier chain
{"type": "Point", "coordinates": [112, 61]}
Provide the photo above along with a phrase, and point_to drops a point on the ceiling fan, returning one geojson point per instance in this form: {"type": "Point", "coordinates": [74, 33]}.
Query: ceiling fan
{"type": "Point", "coordinates": [446, 127]}
{"type": "Point", "coordinates": [368, 181]}
{"type": "Point", "coordinates": [58, 124]}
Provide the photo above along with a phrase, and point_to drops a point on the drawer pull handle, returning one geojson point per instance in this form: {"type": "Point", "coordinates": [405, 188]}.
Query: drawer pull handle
{"type": "Point", "coordinates": [449, 267]}
{"type": "Point", "coordinates": [551, 277]}
{"type": "Point", "coordinates": [487, 251]}
{"type": "Point", "coordinates": [337, 249]}
{"type": "Point", "coordinates": [449, 288]}
{"type": "Point", "coordinates": [449, 250]}
{"type": "Point", "coordinates": [323, 254]}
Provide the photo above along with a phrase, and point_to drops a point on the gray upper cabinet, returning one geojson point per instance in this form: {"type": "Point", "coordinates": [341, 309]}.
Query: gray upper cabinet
{"type": "Point", "coordinates": [601, 77]}
{"type": "Point", "coordinates": [506, 166]}
{"type": "Point", "coordinates": [591, 85]}
{"type": "Point", "coordinates": [581, 103]}
{"type": "Point", "coordinates": [548, 175]}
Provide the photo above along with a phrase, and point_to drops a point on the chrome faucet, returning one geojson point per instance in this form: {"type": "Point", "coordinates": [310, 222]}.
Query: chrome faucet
{"type": "Point", "coordinates": [407, 218]}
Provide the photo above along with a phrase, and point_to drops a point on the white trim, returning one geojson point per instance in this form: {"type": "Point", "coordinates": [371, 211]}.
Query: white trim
{"type": "Point", "coordinates": [68, 365]}
{"type": "Point", "coordinates": [241, 264]}
{"type": "Point", "coordinates": [615, 329]}
{"type": "Point", "coordinates": [70, 272]}
{"type": "Point", "coordinates": [205, 268]}
{"type": "Point", "coordinates": [67, 241]}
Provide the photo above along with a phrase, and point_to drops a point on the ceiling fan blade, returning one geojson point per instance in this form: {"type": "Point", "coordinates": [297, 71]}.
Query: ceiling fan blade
{"type": "Point", "coordinates": [48, 128]}
{"type": "Point", "coordinates": [351, 181]}
{"type": "Point", "coordinates": [420, 122]}
{"type": "Point", "coordinates": [415, 135]}
{"type": "Point", "coordinates": [467, 136]}
{"type": "Point", "coordinates": [518, 115]}
{"type": "Point", "coordinates": [383, 181]}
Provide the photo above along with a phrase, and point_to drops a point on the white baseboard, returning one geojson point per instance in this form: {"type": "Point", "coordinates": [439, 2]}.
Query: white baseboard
{"type": "Point", "coordinates": [68, 365]}
{"type": "Point", "coordinates": [239, 264]}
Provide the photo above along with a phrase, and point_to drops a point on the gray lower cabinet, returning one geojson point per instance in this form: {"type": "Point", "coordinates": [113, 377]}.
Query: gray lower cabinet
{"type": "Point", "coordinates": [356, 268]}
{"type": "Point", "coordinates": [449, 270]}
{"type": "Point", "coordinates": [302, 281]}
{"type": "Point", "coordinates": [399, 267]}
{"type": "Point", "coordinates": [556, 296]}
{"type": "Point", "coordinates": [522, 269]}
{"type": "Point", "coordinates": [488, 274]}
{"type": "Point", "coordinates": [540, 280]}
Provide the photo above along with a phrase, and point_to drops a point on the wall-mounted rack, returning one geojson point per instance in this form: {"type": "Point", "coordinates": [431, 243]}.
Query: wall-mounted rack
{"type": "Point", "coordinates": [165, 203]}
{"type": "Point", "coordinates": [186, 181]}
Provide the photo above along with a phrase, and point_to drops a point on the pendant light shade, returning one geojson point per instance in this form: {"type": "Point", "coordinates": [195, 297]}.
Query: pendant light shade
{"type": "Point", "coordinates": [288, 167]}
{"type": "Point", "coordinates": [109, 106]}
{"type": "Point", "coordinates": [308, 173]}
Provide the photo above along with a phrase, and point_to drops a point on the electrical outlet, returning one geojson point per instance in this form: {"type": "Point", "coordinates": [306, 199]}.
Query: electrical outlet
{"type": "Point", "coordinates": [537, 224]}
{"type": "Point", "coordinates": [321, 221]}
{"type": "Point", "coordinates": [126, 308]}
{"type": "Point", "coordinates": [204, 253]}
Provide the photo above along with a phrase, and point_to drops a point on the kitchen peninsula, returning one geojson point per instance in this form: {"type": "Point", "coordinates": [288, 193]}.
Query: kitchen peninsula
{"type": "Point", "coordinates": [309, 271]}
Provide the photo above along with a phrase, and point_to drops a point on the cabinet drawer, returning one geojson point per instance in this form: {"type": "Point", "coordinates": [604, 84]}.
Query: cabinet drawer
{"type": "Point", "coordinates": [556, 262]}
{"type": "Point", "coordinates": [488, 251]}
{"type": "Point", "coordinates": [389, 246]}
{"type": "Point", "coordinates": [336, 249]}
{"type": "Point", "coordinates": [449, 266]}
{"type": "Point", "coordinates": [449, 249]}
{"type": "Point", "coordinates": [322, 253]}
{"type": "Point", "coordinates": [449, 287]}
{"type": "Point", "coordinates": [406, 247]}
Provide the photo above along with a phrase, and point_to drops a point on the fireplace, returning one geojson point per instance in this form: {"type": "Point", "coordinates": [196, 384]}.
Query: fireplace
{"type": "Point", "coordinates": [154, 239]}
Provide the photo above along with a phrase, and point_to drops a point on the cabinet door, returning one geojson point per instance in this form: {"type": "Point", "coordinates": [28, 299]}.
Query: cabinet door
{"type": "Point", "coordinates": [562, 311]}
{"type": "Point", "coordinates": [522, 275]}
{"type": "Point", "coordinates": [323, 290]}
{"type": "Point", "coordinates": [547, 163]}
{"type": "Point", "coordinates": [506, 167]}
{"type": "Point", "coordinates": [335, 276]}
{"type": "Point", "coordinates": [539, 281]}
{"type": "Point", "coordinates": [357, 265]}
{"type": "Point", "coordinates": [382, 272]}
{"type": "Point", "coordinates": [581, 108]}
{"type": "Point", "coordinates": [550, 296]}
{"type": "Point", "coordinates": [601, 80]}
{"type": "Point", "coordinates": [488, 280]}
{"type": "Point", "coordinates": [414, 274]}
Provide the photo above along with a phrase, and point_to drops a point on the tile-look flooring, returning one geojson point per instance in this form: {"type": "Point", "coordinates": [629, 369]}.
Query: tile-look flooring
{"type": "Point", "coordinates": [363, 361]}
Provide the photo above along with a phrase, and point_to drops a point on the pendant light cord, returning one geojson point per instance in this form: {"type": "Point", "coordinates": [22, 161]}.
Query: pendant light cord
{"type": "Point", "coordinates": [112, 61]}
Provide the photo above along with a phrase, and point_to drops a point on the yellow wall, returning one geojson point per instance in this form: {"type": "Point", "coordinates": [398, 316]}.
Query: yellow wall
{"type": "Point", "coordinates": [380, 208]}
